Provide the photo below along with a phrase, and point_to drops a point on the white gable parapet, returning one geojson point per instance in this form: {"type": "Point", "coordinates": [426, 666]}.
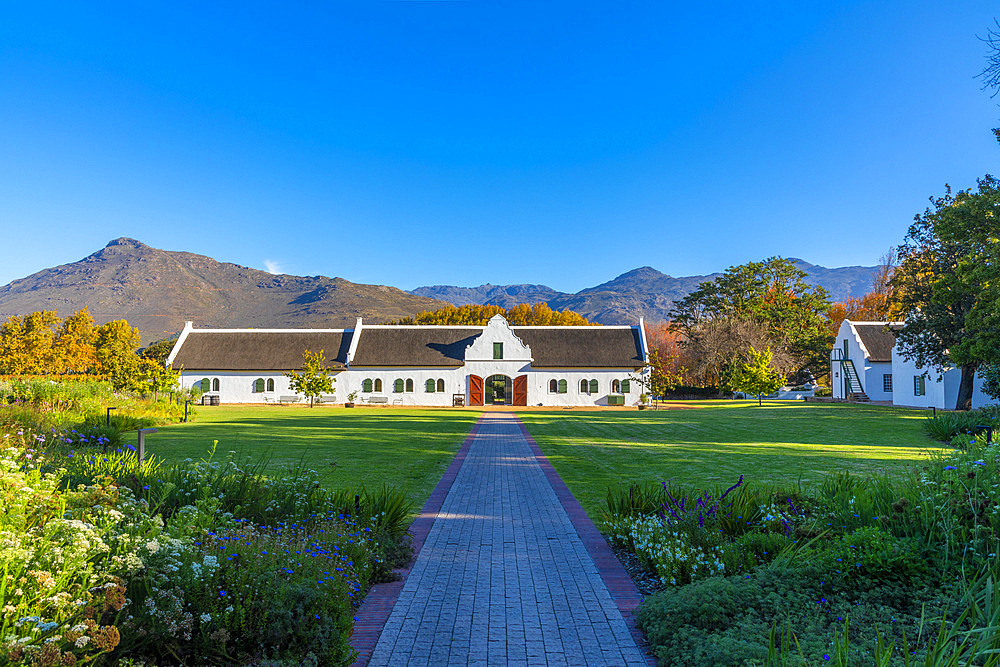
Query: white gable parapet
{"type": "Point", "coordinates": [498, 331]}
{"type": "Point", "coordinates": [188, 327]}
{"type": "Point", "coordinates": [355, 337]}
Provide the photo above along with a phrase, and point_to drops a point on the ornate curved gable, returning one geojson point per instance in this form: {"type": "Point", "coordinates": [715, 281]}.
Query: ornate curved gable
{"type": "Point", "coordinates": [497, 331]}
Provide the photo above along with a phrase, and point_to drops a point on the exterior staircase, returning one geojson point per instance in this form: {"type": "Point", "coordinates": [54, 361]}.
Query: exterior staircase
{"type": "Point", "coordinates": [855, 391]}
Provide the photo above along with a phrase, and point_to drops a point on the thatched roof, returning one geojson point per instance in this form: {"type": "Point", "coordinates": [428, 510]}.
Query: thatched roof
{"type": "Point", "coordinates": [259, 350]}
{"type": "Point", "coordinates": [431, 346]}
{"type": "Point", "coordinates": [878, 338]}
{"type": "Point", "coordinates": [582, 347]}
{"type": "Point", "coordinates": [414, 346]}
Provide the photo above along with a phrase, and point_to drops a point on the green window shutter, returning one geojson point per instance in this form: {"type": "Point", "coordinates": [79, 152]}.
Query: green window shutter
{"type": "Point", "coordinates": [626, 386]}
{"type": "Point", "coordinates": [397, 386]}
{"type": "Point", "coordinates": [498, 350]}
{"type": "Point", "coordinates": [441, 385]}
{"type": "Point", "coordinates": [366, 386]}
{"type": "Point", "coordinates": [409, 384]}
{"type": "Point", "coordinates": [593, 387]}
{"type": "Point", "coordinates": [429, 386]}
{"type": "Point", "coordinates": [562, 386]}
{"type": "Point", "coordinates": [205, 384]}
{"type": "Point", "coordinates": [258, 385]}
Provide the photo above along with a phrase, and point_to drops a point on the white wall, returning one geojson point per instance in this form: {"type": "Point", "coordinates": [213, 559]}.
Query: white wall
{"type": "Point", "coordinates": [874, 381]}
{"type": "Point", "coordinates": [935, 384]}
{"type": "Point", "coordinates": [454, 383]}
{"type": "Point", "coordinates": [237, 386]}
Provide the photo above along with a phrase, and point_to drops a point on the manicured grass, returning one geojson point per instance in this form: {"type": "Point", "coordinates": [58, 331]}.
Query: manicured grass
{"type": "Point", "coordinates": [714, 443]}
{"type": "Point", "coordinates": [408, 449]}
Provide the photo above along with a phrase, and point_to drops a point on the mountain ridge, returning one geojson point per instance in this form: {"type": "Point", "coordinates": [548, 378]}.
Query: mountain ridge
{"type": "Point", "coordinates": [158, 290]}
{"type": "Point", "coordinates": [641, 292]}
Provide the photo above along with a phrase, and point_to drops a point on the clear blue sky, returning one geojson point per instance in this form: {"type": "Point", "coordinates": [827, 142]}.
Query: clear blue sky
{"type": "Point", "coordinates": [413, 143]}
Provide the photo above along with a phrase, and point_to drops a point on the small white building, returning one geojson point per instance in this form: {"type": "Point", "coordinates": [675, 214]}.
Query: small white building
{"type": "Point", "coordinates": [866, 362]}
{"type": "Point", "coordinates": [861, 361]}
{"type": "Point", "coordinates": [496, 364]}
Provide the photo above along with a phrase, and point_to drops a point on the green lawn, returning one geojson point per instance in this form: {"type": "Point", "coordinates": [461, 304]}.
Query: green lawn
{"type": "Point", "coordinates": [409, 449]}
{"type": "Point", "coordinates": [715, 443]}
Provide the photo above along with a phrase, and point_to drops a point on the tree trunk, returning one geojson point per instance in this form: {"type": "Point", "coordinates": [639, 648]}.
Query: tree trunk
{"type": "Point", "coordinates": [760, 401]}
{"type": "Point", "coordinates": [965, 387]}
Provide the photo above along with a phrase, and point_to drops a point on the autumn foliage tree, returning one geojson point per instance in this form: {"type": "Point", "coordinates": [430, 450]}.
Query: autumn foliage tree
{"type": "Point", "coordinates": [524, 314]}
{"type": "Point", "coordinates": [41, 343]}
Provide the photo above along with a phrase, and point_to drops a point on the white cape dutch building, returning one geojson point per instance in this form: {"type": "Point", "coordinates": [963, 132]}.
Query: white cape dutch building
{"type": "Point", "coordinates": [496, 364]}
{"type": "Point", "coordinates": [866, 364]}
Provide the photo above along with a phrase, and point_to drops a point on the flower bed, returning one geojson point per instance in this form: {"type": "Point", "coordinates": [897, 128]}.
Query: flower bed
{"type": "Point", "coordinates": [854, 571]}
{"type": "Point", "coordinates": [109, 561]}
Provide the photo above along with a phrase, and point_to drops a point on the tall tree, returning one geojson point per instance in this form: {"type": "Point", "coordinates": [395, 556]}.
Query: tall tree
{"type": "Point", "coordinates": [948, 284]}
{"type": "Point", "coordinates": [26, 343]}
{"type": "Point", "coordinates": [116, 344]}
{"type": "Point", "coordinates": [771, 298]}
{"type": "Point", "coordinates": [75, 343]}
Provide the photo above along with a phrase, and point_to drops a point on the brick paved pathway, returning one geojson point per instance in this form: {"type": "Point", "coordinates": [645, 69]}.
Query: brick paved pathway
{"type": "Point", "coordinates": [503, 576]}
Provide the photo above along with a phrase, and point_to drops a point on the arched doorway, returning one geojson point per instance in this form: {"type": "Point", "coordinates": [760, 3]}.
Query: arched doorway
{"type": "Point", "coordinates": [498, 390]}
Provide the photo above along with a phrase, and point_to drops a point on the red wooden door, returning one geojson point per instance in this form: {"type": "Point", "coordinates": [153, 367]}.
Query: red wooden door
{"type": "Point", "coordinates": [475, 390]}
{"type": "Point", "coordinates": [521, 390]}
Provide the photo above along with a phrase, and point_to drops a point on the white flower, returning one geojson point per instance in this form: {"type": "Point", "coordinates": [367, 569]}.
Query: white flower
{"type": "Point", "coordinates": [82, 641]}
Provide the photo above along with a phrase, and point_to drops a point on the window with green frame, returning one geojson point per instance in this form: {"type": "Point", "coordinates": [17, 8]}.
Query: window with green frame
{"type": "Point", "coordinates": [429, 386]}
{"type": "Point", "coordinates": [498, 350]}
{"type": "Point", "coordinates": [205, 384]}
{"type": "Point", "coordinates": [584, 387]}
{"type": "Point", "coordinates": [258, 385]}
{"type": "Point", "coordinates": [593, 387]}
{"type": "Point", "coordinates": [397, 386]}
{"type": "Point", "coordinates": [378, 385]}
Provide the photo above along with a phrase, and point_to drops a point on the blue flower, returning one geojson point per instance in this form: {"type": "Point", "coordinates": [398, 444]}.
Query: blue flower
{"type": "Point", "coordinates": [950, 468]}
{"type": "Point", "coordinates": [222, 594]}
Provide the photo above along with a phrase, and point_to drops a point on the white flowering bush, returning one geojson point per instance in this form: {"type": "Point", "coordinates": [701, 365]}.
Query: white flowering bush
{"type": "Point", "coordinates": [58, 596]}
{"type": "Point", "coordinates": [664, 550]}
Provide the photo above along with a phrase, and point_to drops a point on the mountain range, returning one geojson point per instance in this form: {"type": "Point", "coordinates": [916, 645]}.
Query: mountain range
{"type": "Point", "coordinates": [643, 292]}
{"type": "Point", "coordinates": [158, 290]}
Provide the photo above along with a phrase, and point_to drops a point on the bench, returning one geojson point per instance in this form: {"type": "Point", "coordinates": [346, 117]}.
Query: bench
{"type": "Point", "coordinates": [376, 399]}
{"type": "Point", "coordinates": [289, 399]}
{"type": "Point", "coordinates": [326, 398]}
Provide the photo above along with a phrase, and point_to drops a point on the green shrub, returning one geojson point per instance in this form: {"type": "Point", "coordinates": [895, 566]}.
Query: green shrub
{"type": "Point", "coordinates": [947, 425]}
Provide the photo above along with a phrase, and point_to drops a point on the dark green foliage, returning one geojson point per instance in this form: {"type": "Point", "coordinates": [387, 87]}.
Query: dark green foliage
{"type": "Point", "coordinates": [947, 284]}
{"type": "Point", "coordinates": [947, 425]}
